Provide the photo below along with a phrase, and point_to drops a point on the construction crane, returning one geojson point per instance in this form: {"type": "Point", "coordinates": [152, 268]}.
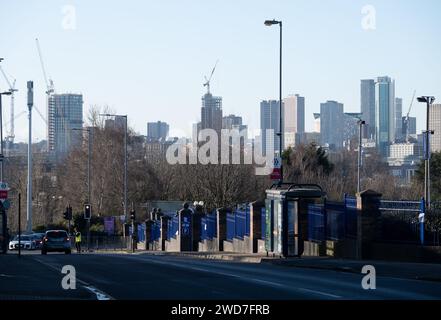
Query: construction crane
{"type": "Point", "coordinates": [207, 81]}
{"type": "Point", "coordinates": [49, 83]}
{"type": "Point", "coordinates": [10, 138]}
{"type": "Point", "coordinates": [406, 119]}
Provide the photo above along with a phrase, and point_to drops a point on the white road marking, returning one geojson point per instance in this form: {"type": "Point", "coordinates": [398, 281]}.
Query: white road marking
{"type": "Point", "coordinates": [321, 293]}
{"type": "Point", "coordinates": [100, 295]}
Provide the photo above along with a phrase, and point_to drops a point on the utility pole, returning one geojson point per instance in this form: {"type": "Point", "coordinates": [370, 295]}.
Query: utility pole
{"type": "Point", "coordinates": [360, 146]}
{"type": "Point", "coordinates": [29, 195]}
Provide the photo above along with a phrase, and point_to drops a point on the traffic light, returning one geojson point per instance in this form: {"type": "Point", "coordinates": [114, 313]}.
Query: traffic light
{"type": "Point", "coordinates": [66, 214]}
{"type": "Point", "coordinates": [87, 211]}
{"type": "Point", "coordinates": [132, 215]}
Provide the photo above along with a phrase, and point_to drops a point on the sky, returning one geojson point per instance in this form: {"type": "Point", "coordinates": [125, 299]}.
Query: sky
{"type": "Point", "coordinates": [148, 59]}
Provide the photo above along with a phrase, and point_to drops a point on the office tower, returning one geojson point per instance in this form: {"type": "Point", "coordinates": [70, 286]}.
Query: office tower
{"type": "Point", "coordinates": [157, 131]}
{"type": "Point", "coordinates": [269, 119]}
{"type": "Point", "coordinates": [231, 120]}
{"type": "Point", "coordinates": [410, 126]}
{"type": "Point", "coordinates": [435, 125]}
{"type": "Point", "coordinates": [331, 124]}
{"type": "Point", "coordinates": [384, 114]}
{"type": "Point", "coordinates": [211, 113]}
{"type": "Point", "coordinates": [367, 105]}
{"type": "Point", "coordinates": [293, 118]}
{"type": "Point", "coordinates": [350, 129]}
{"type": "Point", "coordinates": [398, 119]}
{"type": "Point", "coordinates": [316, 122]}
{"type": "Point", "coordinates": [65, 112]}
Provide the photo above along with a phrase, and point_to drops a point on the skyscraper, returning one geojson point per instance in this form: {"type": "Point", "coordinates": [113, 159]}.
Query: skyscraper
{"type": "Point", "coordinates": [384, 114]}
{"type": "Point", "coordinates": [331, 124]}
{"type": "Point", "coordinates": [409, 127]}
{"type": "Point", "coordinates": [230, 121]}
{"type": "Point", "coordinates": [293, 118]}
{"type": "Point", "coordinates": [398, 119]}
{"type": "Point", "coordinates": [367, 105]}
{"type": "Point", "coordinates": [157, 131]}
{"type": "Point", "coordinates": [211, 113]}
{"type": "Point", "coordinates": [269, 119]}
{"type": "Point", "coordinates": [435, 124]}
{"type": "Point", "coordinates": [65, 112]}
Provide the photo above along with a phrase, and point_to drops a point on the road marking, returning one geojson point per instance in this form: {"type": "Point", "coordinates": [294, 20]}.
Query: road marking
{"type": "Point", "coordinates": [274, 284]}
{"type": "Point", "coordinates": [6, 275]}
{"type": "Point", "coordinates": [100, 295]}
{"type": "Point", "coordinates": [321, 293]}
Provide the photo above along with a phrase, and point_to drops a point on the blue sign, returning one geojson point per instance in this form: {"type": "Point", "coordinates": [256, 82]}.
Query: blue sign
{"type": "Point", "coordinates": [6, 204]}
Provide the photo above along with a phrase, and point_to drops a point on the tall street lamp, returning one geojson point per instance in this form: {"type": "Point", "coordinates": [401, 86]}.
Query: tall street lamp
{"type": "Point", "coordinates": [361, 123]}
{"type": "Point", "coordinates": [280, 133]}
{"type": "Point", "coordinates": [125, 161]}
{"type": "Point", "coordinates": [428, 100]}
{"type": "Point", "coordinates": [89, 153]}
{"type": "Point", "coordinates": [6, 93]}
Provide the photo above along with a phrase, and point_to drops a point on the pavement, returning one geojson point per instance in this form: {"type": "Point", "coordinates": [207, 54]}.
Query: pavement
{"type": "Point", "coordinates": [162, 276]}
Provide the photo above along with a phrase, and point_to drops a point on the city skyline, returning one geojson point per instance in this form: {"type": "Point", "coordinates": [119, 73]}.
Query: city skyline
{"type": "Point", "coordinates": [140, 86]}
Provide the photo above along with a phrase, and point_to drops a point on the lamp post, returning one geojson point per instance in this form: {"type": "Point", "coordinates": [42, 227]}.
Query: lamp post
{"type": "Point", "coordinates": [89, 153]}
{"type": "Point", "coordinates": [280, 133]}
{"type": "Point", "coordinates": [6, 93]}
{"type": "Point", "coordinates": [125, 161]}
{"type": "Point", "coordinates": [361, 123]}
{"type": "Point", "coordinates": [428, 100]}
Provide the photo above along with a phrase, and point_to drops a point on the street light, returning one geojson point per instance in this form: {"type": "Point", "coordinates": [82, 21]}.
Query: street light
{"type": "Point", "coordinates": [361, 123]}
{"type": "Point", "coordinates": [89, 153]}
{"type": "Point", "coordinates": [125, 160]}
{"type": "Point", "coordinates": [6, 93]}
{"type": "Point", "coordinates": [428, 100]}
{"type": "Point", "coordinates": [280, 133]}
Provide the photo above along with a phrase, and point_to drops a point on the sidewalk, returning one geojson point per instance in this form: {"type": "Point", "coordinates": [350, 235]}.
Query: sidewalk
{"type": "Point", "coordinates": [407, 270]}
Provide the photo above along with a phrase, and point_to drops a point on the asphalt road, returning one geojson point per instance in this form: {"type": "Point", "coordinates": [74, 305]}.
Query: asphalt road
{"type": "Point", "coordinates": [123, 276]}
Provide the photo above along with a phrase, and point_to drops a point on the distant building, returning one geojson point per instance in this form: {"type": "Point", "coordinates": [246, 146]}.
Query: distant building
{"type": "Point", "coordinates": [350, 129]}
{"type": "Point", "coordinates": [211, 113]}
{"type": "Point", "coordinates": [65, 112]}
{"type": "Point", "coordinates": [331, 124]}
{"type": "Point", "coordinates": [308, 138]}
{"type": "Point", "coordinates": [404, 160]}
{"type": "Point", "coordinates": [157, 130]}
{"type": "Point", "coordinates": [230, 121]}
{"type": "Point", "coordinates": [435, 124]}
{"type": "Point", "coordinates": [117, 123]}
{"type": "Point", "coordinates": [269, 119]}
{"type": "Point", "coordinates": [155, 150]}
{"type": "Point", "coordinates": [399, 119]}
{"type": "Point", "coordinates": [385, 114]}
{"type": "Point", "coordinates": [410, 126]}
{"type": "Point", "coordinates": [293, 118]}
{"type": "Point", "coordinates": [316, 122]}
{"type": "Point", "coordinates": [367, 106]}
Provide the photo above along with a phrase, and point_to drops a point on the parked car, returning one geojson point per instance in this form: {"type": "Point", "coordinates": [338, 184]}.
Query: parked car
{"type": "Point", "coordinates": [26, 242]}
{"type": "Point", "coordinates": [56, 241]}
{"type": "Point", "coordinates": [38, 239]}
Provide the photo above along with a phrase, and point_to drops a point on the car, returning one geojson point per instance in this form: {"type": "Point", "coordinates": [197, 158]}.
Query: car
{"type": "Point", "coordinates": [56, 241]}
{"type": "Point", "coordinates": [38, 239]}
{"type": "Point", "coordinates": [26, 242]}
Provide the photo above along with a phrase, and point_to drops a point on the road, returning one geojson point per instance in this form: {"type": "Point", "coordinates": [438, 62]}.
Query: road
{"type": "Point", "coordinates": [144, 276]}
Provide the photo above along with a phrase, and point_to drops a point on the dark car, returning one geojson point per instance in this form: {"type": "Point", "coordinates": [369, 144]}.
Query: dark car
{"type": "Point", "coordinates": [56, 241]}
{"type": "Point", "coordinates": [38, 239]}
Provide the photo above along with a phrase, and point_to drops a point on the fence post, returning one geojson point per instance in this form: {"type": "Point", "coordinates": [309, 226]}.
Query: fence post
{"type": "Point", "coordinates": [255, 221]}
{"type": "Point", "coordinates": [421, 219]}
{"type": "Point", "coordinates": [221, 216]}
{"type": "Point", "coordinates": [368, 213]}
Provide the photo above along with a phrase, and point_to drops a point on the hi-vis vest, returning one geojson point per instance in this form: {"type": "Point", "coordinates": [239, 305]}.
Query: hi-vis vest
{"type": "Point", "coordinates": [78, 237]}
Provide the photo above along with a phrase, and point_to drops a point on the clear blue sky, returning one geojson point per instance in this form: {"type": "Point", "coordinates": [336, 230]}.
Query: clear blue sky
{"type": "Point", "coordinates": [148, 58]}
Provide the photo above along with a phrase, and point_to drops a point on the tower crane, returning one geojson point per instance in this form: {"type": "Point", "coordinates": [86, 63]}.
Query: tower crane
{"type": "Point", "coordinates": [207, 81]}
{"type": "Point", "coordinates": [406, 119]}
{"type": "Point", "coordinates": [10, 138]}
{"type": "Point", "coordinates": [50, 89]}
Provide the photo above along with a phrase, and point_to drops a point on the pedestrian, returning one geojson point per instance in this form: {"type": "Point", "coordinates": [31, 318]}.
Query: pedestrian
{"type": "Point", "coordinates": [77, 240]}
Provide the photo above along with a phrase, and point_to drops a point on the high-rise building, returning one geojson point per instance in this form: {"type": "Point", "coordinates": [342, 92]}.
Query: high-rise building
{"type": "Point", "coordinates": [293, 118]}
{"type": "Point", "coordinates": [228, 122]}
{"type": "Point", "coordinates": [350, 129]}
{"type": "Point", "coordinates": [316, 122]}
{"type": "Point", "coordinates": [157, 131]}
{"type": "Point", "coordinates": [331, 124]}
{"type": "Point", "coordinates": [211, 113]}
{"type": "Point", "coordinates": [384, 114]}
{"type": "Point", "coordinates": [65, 112]}
{"type": "Point", "coordinates": [398, 119]}
{"type": "Point", "coordinates": [269, 119]}
{"type": "Point", "coordinates": [408, 127]}
{"type": "Point", "coordinates": [367, 105]}
{"type": "Point", "coordinates": [435, 124]}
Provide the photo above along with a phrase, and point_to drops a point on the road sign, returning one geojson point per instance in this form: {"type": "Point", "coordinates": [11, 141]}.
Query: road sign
{"type": "Point", "coordinates": [6, 204]}
{"type": "Point", "coordinates": [277, 162]}
{"type": "Point", "coordinates": [276, 174]}
{"type": "Point", "coordinates": [4, 186]}
{"type": "Point", "coordinates": [3, 194]}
